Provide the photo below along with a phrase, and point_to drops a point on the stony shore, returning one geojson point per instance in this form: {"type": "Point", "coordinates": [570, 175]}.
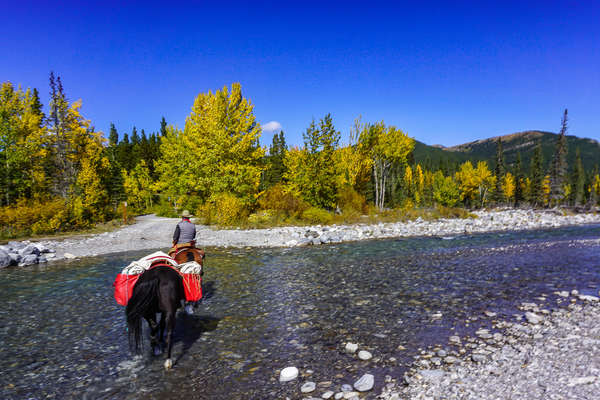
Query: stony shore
{"type": "Point", "coordinates": [548, 355]}
{"type": "Point", "coordinates": [152, 233]}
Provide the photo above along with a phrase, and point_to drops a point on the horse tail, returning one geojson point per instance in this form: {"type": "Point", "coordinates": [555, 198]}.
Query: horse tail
{"type": "Point", "coordinates": [144, 293]}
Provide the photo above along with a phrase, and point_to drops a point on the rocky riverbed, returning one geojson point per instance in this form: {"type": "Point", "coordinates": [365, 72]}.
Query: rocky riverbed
{"type": "Point", "coordinates": [152, 232]}
{"type": "Point", "coordinates": [547, 355]}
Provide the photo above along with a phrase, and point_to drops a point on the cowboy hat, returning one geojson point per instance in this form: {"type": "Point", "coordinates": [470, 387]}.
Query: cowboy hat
{"type": "Point", "coordinates": [186, 214]}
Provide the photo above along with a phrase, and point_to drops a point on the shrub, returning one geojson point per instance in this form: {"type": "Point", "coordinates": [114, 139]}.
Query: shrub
{"type": "Point", "coordinates": [351, 202]}
{"type": "Point", "coordinates": [316, 215]}
{"type": "Point", "coordinates": [223, 209]}
{"type": "Point", "coordinates": [28, 217]}
{"type": "Point", "coordinates": [286, 204]}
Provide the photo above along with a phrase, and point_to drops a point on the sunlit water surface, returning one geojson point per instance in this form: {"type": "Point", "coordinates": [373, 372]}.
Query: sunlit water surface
{"type": "Point", "coordinates": [64, 336]}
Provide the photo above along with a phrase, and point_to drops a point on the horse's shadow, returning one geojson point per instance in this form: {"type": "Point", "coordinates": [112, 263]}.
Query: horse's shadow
{"type": "Point", "coordinates": [189, 328]}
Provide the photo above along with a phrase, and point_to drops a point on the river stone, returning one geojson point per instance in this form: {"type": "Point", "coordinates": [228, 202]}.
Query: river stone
{"type": "Point", "coordinates": [15, 257]}
{"type": "Point", "coordinates": [365, 383]}
{"type": "Point", "coordinates": [308, 387]}
{"type": "Point", "coordinates": [42, 259]}
{"type": "Point", "coordinates": [364, 355]}
{"type": "Point", "coordinates": [69, 255]}
{"type": "Point", "coordinates": [339, 395]}
{"type": "Point", "coordinates": [351, 348]}
{"type": "Point", "coordinates": [29, 249]}
{"type": "Point", "coordinates": [533, 318]}
{"type": "Point", "coordinates": [288, 374]}
{"type": "Point", "coordinates": [327, 395]}
{"type": "Point", "coordinates": [346, 388]}
{"type": "Point", "coordinates": [5, 259]}
{"type": "Point", "coordinates": [17, 245]}
{"type": "Point", "coordinates": [584, 297]}
{"type": "Point", "coordinates": [478, 358]}
{"type": "Point", "coordinates": [432, 374]}
{"type": "Point", "coordinates": [29, 260]}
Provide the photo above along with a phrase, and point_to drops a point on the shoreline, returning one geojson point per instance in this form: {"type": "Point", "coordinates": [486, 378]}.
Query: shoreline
{"type": "Point", "coordinates": [153, 233]}
{"type": "Point", "coordinates": [544, 354]}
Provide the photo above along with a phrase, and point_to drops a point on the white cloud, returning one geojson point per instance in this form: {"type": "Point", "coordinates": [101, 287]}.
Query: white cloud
{"type": "Point", "coordinates": [271, 127]}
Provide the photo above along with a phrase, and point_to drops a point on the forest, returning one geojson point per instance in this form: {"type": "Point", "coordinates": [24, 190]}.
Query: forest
{"type": "Point", "coordinates": [58, 174]}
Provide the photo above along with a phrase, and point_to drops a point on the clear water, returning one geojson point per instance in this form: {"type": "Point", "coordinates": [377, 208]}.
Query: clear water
{"type": "Point", "coordinates": [64, 336]}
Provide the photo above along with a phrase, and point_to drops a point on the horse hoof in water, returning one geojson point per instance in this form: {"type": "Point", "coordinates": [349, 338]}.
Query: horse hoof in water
{"type": "Point", "coordinates": [168, 364]}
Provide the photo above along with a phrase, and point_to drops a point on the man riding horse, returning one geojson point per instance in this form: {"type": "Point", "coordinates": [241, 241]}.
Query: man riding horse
{"type": "Point", "coordinates": [184, 238]}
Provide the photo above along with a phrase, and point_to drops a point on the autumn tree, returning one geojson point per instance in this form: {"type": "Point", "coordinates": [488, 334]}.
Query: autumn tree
{"type": "Point", "coordinates": [475, 183]}
{"type": "Point", "coordinates": [311, 171]}
{"type": "Point", "coordinates": [218, 150]}
{"type": "Point", "coordinates": [386, 146]}
{"type": "Point", "coordinates": [138, 186]}
{"type": "Point", "coordinates": [23, 145]}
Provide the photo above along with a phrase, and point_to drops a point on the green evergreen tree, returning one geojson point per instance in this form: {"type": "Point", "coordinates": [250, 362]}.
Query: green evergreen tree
{"type": "Point", "coordinates": [537, 176]}
{"type": "Point", "coordinates": [275, 167]}
{"type": "Point", "coordinates": [163, 127]}
{"type": "Point", "coordinates": [37, 107]}
{"type": "Point", "coordinates": [578, 181]}
{"type": "Point", "coordinates": [558, 173]}
{"type": "Point", "coordinates": [519, 177]}
{"type": "Point", "coordinates": [113, 136]}
{"type": "Point", "coordinates": [124, 153]}
{"type": "Point", "coordinates": [499, 171]}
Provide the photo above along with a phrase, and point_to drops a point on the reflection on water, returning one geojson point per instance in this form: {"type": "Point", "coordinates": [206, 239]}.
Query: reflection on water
{"type": "Point", "coordinates": [63, 335]}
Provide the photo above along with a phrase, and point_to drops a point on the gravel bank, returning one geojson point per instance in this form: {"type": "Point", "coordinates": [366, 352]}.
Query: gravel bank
{"type": "Point", "coordinates": [550, 355]}
{"type": "Point", "coordinates": [152, 232]}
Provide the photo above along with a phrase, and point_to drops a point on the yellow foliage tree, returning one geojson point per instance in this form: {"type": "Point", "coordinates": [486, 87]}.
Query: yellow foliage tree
{"type": "Point", "coordinates": [138, 186]}
{"type": "Point", "coordinates": [218, 150]}
{"type": "Point", "coordinates": [475, 183]}
{"type": "Point", "coordinates": [508, 187]}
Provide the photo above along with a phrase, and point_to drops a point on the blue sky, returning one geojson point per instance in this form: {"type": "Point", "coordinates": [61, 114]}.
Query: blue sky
{"type": "Point", "coordinates": [444, 72]}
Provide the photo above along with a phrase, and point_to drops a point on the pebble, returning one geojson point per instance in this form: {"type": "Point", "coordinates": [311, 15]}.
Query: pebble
{"type": "Point", "coordinates": [308, 387]}
{"type": "Point", "coordinates": [365, 383]}
{"type": "Point", "coordinates": [327, 395]}
{"type": "Point", "coordinates": [351, 348]}
{"type": "Point", "coordinates": [288, 374]}
{"type": "Point", "coordinates": [364, 355]}
{"type": "Point", "coordinates": [533, 318]}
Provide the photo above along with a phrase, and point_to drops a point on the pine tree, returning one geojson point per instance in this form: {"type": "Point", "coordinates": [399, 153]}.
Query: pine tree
{"type": "Point", "coordinates": [537, 177]}
{"type": "Point", "coordinates": [518, 180]}
{"type": "Point", "coordinates": [499, 171]}
{"type": "Point", "coordinates": [578, 180]}
{"type": "Point", "coordinates": [559, 165]}
{"type": "Point", "coordinates": [64, 172]}
{"type": "Point", "coordinates": [275, 167]}
{"type": "Point", "coordinates": [113, 136]}
{"type": "Point", "coordinates": [163, 127]}
{"type": "Point", "coordinates": [37, 107]}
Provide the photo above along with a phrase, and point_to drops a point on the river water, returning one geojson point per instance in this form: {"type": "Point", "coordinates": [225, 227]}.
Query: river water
{"type": "Point", "coordinates": [63, 335]}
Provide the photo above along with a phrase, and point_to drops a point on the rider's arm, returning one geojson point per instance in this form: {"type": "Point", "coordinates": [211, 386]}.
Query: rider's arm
{"type": "Point", "coordinates": [176, 235]}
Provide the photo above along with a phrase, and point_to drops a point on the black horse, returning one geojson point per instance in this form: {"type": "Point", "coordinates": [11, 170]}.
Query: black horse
{"type": "Point", "coordinates": [158, 290]}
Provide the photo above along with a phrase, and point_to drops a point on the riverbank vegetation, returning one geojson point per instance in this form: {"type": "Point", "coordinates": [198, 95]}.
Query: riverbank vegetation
{"type": "Point", "coordinates": [57, 173]}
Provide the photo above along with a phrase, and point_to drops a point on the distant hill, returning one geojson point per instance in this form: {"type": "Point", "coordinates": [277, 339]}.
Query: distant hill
{"type": "Point", "coordinates": [523, 142]}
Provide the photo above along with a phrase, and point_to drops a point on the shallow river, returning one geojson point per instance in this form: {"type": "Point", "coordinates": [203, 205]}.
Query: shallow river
{"type": "Point", "coordinates": [63, 335]}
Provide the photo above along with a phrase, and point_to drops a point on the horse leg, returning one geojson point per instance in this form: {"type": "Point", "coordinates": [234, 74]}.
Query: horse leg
{"type": "Point", "coordinates": [151, 318]}
{"type": "Point", "coordinates": [170, 321]}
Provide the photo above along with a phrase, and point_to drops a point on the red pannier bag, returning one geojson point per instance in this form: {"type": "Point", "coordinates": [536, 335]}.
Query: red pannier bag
{"type": "Point", "coordinates": [192, 283]}
{"type": "Point", "coordinates": [124, 287]}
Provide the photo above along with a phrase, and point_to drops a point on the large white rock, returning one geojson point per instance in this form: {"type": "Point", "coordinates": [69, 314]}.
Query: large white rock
{"type": "Point", "coordinates": [364, 355]}
{"type": "Point", "coordinates": [365, 383]}
{"type": "Point", "coordinates": [287, 374]}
